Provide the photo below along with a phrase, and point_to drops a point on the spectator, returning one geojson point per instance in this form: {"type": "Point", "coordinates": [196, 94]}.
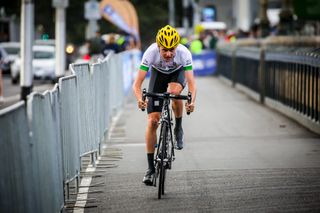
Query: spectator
{"type": "Point", "coordinates": [96, 44]}
{"type": "Point", "coordinates": [254, 31]}
{"type": "Point", "coordinates": [110, 46]}
{"type": "Point", "coordinates": [184, 41]}
{"type": "Point", "coordinates": [1, 81]}
{"type": "Point", "coordinates": [213, 40]}
{"type": "Point", "coordinates": [130, 43]}
{"type": "Point", "coordinates": [121, 42]}
{"type": "Point", "coordinates": [196, 46]}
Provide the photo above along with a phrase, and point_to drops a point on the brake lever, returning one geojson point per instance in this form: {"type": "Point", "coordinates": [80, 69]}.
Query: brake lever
{"type": "Point", "coordinates": [189, 101]}
{"type": "Point", "coordinates": [144, 95]}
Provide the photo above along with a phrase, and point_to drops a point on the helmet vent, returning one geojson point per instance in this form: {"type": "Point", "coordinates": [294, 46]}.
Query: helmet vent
{"type": "Point", "coordinates": [168, 37]}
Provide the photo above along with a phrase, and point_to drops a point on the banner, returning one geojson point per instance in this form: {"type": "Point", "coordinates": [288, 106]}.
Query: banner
{"type": "Point", "coordinates": [122, 14]}
{"type": "Point", "coordinates": [204, 63]}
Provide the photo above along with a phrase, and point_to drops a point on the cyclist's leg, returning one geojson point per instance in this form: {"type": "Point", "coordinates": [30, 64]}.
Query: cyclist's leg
{"type": "Point", "coordinates": [151, 132]}
{"type": "Point", "coordinates": [151, 140]}
{"type": "Point", "coordinates": [176, 86]}
{"type": "Point", "coordinates": [157, 83]}
{"type": "Point", "coordinates": [177, 105]}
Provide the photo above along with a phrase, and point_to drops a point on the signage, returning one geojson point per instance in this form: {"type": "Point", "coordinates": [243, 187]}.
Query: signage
{"type": "Point", "coordinates": [60, 3]}
{"type": "Point", "coordinates": [91, 10]}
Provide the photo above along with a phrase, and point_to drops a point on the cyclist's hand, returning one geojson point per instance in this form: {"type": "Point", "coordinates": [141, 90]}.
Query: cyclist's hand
{"type": "Point", "coordinates": [142, 104]}
{"type": "Point", "coordinates": [190, 107]}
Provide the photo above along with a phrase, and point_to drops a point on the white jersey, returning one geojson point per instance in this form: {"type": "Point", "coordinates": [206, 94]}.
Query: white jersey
{"type": "Point", "coordinates": [152, 58]}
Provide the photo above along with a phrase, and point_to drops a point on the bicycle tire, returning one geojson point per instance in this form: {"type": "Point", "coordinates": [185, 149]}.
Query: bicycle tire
{"type": "Point", "coordinates": [162, 167]}
{"type": "Point", "coordinates": [168, 154]}
{"type": "Point", "coordinates": [163, 179]}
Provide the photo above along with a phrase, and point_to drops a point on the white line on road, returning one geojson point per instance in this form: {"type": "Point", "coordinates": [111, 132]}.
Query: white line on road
{"type": "Point", "coordinates": [83, 191]}
{"type": "Point", "coordinates": [86, 181]}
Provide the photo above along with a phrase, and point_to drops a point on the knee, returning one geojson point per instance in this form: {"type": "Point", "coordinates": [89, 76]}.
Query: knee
{"type": "Point", "coordinates": [175, 88]}
{"type": "Point", "coordinates": [175, 91]}
{"type": "Point", "coordinates": [153, 122]}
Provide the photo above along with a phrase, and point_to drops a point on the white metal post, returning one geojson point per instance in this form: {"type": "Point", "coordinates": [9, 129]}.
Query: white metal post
{"type": "Point", "coordinates": [196, 13]}
{"type": "Point", "coordinates": [185, 18]}
{"type": "Point", "coordinates": [27, 34]}
{"type": "Point", "coordinates": [243, 13]}
{"type": "Point", "coordinates": [60, 35]}
{"type": "Point", "coordinates": [92, 14]}
{"type": "Point", "coordinates": [171, 13]}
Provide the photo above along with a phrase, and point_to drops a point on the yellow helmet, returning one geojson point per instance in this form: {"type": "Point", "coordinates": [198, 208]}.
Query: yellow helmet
{"type": "Point", "coordinates": [168, 37]}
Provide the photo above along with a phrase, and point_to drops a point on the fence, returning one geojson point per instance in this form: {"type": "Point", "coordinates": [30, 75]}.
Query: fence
{"type": "Point", "coordinates": [282, 72]}
{"type": "Point", "coordinates": [293, 79]}
{"type": "Point", "coordinates": [42, 142]}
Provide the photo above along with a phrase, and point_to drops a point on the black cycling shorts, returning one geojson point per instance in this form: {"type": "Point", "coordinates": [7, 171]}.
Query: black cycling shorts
{"type": "Point", "coordinates": [159, 83]}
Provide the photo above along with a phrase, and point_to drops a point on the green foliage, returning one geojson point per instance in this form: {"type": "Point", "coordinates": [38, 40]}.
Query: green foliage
{"type": "Point", "coordinates": [151, 18]}
{"type": "Point", "coordinates": [76, 23]}
{"type": "Point", "coordinates": [307, 10]}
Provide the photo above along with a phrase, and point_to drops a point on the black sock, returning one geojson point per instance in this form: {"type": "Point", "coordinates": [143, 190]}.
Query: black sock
{"type": "Point", "coordinates": [178, 122]}
{"type": "Point", "coordinates": [150, 161]}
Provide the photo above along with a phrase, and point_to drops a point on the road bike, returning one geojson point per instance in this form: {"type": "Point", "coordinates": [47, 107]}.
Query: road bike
{"type": "Point", "coordinates": [165, 146]}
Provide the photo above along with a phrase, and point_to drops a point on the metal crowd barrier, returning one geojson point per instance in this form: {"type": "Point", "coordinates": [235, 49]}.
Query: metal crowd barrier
{"type": "Point", "coordinates": [86, 106]}
{"type": "Point", "coordinates": [46, 151]}
{"type": "Point", "coordinates": [42, 142]}
{"type": "Point", "coordinates": [17, 191]}
{"type": "Point", "coordinates": [283, 72]}
{"type": "Point", "coordinates": [116, 87]}
{"type": "Point", "coordinates": [69, 124]}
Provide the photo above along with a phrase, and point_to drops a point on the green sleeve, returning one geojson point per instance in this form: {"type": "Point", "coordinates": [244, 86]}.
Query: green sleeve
{"type": "Point", "coordinates": [187, 68]}
{"type": "Point", "coordinates": [144, 68]}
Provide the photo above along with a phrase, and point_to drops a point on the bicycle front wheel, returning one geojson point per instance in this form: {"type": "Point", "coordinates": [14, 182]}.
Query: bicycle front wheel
{"type": "Point", "coordinates": [162, 166]}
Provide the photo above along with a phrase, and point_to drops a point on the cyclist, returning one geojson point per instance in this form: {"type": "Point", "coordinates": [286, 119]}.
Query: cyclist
{"type": "Point", "coordinates": [170, 64]}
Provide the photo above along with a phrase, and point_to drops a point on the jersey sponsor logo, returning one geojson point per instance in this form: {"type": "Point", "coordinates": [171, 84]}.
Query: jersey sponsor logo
{"type": "Point", "coordinates": [188, 62]}
{"type": "Point", "coordinates": [167, 71]}
{"type": "Point", "coordinates": [145, 62]}
{"type": "Point", "coordinates": [167, 65]}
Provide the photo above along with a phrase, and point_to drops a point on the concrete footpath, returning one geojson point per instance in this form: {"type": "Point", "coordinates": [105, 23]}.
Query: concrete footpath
{"type": "Point", "coordinates": [239, 156]}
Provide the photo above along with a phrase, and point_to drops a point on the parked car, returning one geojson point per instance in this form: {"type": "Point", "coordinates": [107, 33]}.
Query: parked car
{"type": "Point", "coordinates": [50, 42]}
{"type": "Point", "coordinates": [5, 64]}
{"type": "Point", "coordinates": [43, 64]}
{"type": "Point", "coordinates": [12, 49]}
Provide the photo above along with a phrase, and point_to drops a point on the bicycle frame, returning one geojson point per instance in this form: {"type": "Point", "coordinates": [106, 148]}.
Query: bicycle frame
{"type": "Point", "coordinates": [166, 122]}
{"type": "Point", "coordinates": [165, 147]}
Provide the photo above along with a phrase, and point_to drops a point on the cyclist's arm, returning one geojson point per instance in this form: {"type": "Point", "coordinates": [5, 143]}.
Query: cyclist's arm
{"type": "Point", "coordinates": [186, 58]}
{"type": "Point", "coordinates": [191, 84]}
{"type": "Point", "coordinates": [146, 62]}
{"type": "Point", "coordinates": [137, 84]}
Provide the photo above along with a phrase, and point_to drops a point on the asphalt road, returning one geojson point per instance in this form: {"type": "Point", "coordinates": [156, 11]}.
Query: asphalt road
{"type": "Point", "coordinates": [12, 92]}
{"type": "Point", "coordinates": [239, 156]}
